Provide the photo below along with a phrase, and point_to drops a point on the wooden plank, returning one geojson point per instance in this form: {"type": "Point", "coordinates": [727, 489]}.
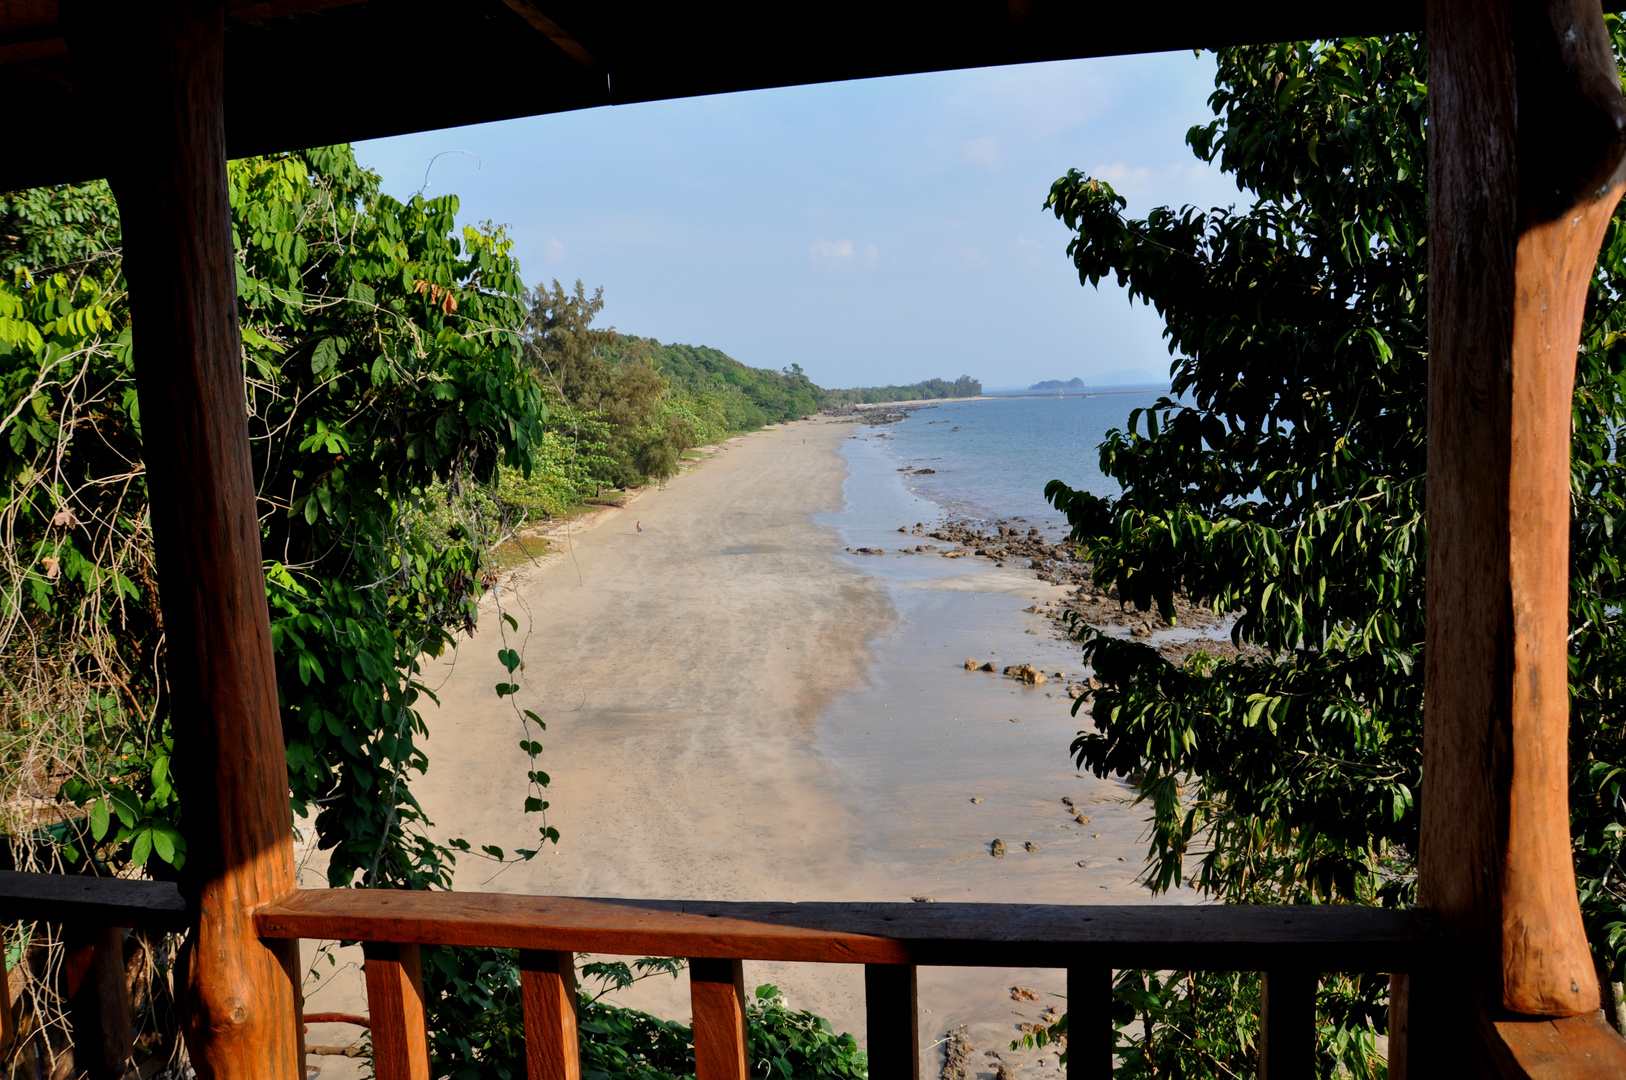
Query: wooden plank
{"type": "Point", "coordinates": [395, 1011]}
{"type": "Point", "coordinates": [25, 897]}
{"type": "Point", "coordinates": [98, 1000]}
{"type": "Point", "coordinates": [1092, 1041]}
{"type": "Point", "coordinates": [1525, 149]}
{"type": "Point", "coordinates": [717, 998]}
{"type": "Point", "coordinates": [160, 70]}
{"type": "Point", "coordinates": [892, 1021]}
{"type": "Point", "coordinates": [1217, 937]}
{"type": "Point", "coordinates": [8, 1023]}
{"type": "Point", "coordinates": [1563, 1048]}
{"type": "Point", "coordinates": [547, 982]}
{"type": "Point", "coordinates": [1287, 1025]}
{"type": "Point", "coordinates": [555, 33]}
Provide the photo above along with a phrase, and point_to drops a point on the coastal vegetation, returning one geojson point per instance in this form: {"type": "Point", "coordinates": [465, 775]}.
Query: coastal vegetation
{"type": "Point", "coordinates": [1283, 480]}
{"type": "Point", "coordinates": [410, 402]}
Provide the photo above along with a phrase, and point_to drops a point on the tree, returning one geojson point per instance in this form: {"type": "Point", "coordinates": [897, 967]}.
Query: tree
{"type": "Point", "coordinates": [1282, 479]}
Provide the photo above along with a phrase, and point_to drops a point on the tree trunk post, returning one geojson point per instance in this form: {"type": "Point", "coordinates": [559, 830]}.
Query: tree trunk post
{"type": "Point", "coordinates": [159, 67]}
{"type": "Point", "coordinates": [1525, 130]}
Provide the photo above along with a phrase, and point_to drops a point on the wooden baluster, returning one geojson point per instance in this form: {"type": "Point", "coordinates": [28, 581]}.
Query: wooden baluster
{"type": "Point", "coordinates": [1287, 1025]}
{"type": "Point", "coordinates": [717, 997]}
{"type": "Point", "coordinates": [547, 982]}
{"type": "Point", "coordinates": [1399, 1023]}
{"type": "Point", "coordinates": [1091, 1038]}
{"type": "Point", "coordinates": [8, 1029]}
{"type": "Point", "coordinates": [98, 1000]}
{"type": "Point", "coordinates": [395, 1009]}
{"type": "Point", "coordinates": [892, 1020]}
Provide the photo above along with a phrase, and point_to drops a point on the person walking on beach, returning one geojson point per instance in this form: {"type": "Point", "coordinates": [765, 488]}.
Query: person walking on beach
{"type": "Point", "coordinates": [640, 528]}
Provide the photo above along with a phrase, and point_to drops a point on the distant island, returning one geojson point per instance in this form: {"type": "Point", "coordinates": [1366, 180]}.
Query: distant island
{"type": "Point", "coordinates": [1057, 384]}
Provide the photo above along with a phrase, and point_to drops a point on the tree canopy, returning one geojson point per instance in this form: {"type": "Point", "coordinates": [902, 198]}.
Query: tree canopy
{"type": "Point", "coordinates": [1282, 480]}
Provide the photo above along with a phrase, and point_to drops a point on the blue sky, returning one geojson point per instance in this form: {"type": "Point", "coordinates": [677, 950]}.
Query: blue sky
{"type": "Point", "coordinates": [879, 231]}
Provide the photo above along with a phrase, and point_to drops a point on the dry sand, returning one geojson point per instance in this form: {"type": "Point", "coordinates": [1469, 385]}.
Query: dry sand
{"type": "Point", "coordinates": [682, 674]}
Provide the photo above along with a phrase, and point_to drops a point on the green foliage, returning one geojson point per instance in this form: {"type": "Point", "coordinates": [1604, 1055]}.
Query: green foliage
{"type": "Point", "coordinates": [1283, 479]}
{"type": "Point", "coordinates": [964, 386]}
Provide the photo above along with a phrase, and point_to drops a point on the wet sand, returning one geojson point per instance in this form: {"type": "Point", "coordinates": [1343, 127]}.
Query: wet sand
{"type": "Point", "coordinates": [738, 709]}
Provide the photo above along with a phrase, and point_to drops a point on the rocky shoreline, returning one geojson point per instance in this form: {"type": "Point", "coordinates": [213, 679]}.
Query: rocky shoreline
{"type": "Point", "coordinates": [1007, 544]}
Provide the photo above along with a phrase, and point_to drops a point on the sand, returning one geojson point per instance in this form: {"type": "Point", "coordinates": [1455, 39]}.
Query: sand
{"type": "Point", "coordinates": [714, 730]}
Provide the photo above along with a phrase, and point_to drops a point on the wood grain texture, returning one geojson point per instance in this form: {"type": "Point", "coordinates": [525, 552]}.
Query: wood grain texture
{"type": "Point", "coordinates": [159, 69]}
{"type": "Point", "coordinates": [8, 1023]}
{"type": "Point", "coordinates": [73, 898]}
{"type": "Point", "coordinates": [1287, 1025]}
{"type": "Point", "coordinates": [1525, 147]}
{"type": "Point", "coordinates": [98, 1000]}
{"type": "Point", "coordinates": [1091, 1038]}
{"type": "Point", "coordinates": [1214, 937]}
{"type": "Point", "coordinates": [1564, 1048]}
{"type": "Point", "coordinates": [717, 998]}
{"type": "Point", "coordinates": [395, 1011]}
{"type": "Point", "coordinates": [547, 982]}
{"type": "Point", "coordinates": [892, 1021]}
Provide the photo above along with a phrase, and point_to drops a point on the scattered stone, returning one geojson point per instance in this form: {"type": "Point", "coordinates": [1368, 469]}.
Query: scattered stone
{"type": "Point", "coordinates": [1005, 1072]}
{"type": "Point", "coordinates": [1120, 858]}
{"type": "Point", "coordinates": [1032, 848]}
{"type": "Point", "coordinates": [1016, 719]}
{"type": "Point", "coordinates": [997, 849]}
{"type": "Point", "coordinates": [1082, 820]}
{"type": "Point", "coordinates": [924, 899]}
{"type": "Point", "coordinates": [989, 666]}
{"type": "Point", "coordinates": [957, 1050]}
{"type": "Point", "coordinates": [1067, 800]}
{"type": "Point", "coordinates": [1081, 862]}
{"type": "Point", "coordinates": [923, 472]}
{"type": "Point", "coordinates": [976, 798]}
{"type": "Point", "coordinates": [1022, 993]}
{"type": "Point", "coordinates": [1027, 673]}
{"type": "Point", "coordinates": [972, 665]}
{"type": "Point", "coordinates": [903, 528]}
{"type": "Point", "coordinates": [1097, 836]}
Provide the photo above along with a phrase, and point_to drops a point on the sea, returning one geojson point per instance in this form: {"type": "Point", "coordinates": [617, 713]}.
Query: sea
{"type": "Point", "coordinates": [992, 457]}
{"type": "Point", "coordinates": [939, 760]}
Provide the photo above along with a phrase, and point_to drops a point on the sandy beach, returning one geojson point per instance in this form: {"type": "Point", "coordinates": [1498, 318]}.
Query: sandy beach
{"type": "Point", "coordinates": [719, 698]}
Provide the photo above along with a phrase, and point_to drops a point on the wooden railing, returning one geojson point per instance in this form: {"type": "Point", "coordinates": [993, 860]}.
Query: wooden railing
{"type": "Point", "coordinates": [1291, 945]}
{"type": "Point", "coordinates": [90, 911]}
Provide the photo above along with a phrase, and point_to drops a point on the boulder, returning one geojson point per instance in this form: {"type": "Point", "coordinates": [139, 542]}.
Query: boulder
{"type": "Point", "coordinates": [989, 666]}
{"type": "Point", "coordinates": [972, 665]}
{"type": "Point", "coordinates": [997, 849]}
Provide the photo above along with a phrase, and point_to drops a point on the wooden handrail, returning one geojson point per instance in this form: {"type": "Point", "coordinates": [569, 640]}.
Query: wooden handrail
{"type": "Point", "coordinates": [1198, 937]}
{"type": "Point", "coordinates": [93, 901]}
{"type": "Point", "coordinates": [1291, 945]}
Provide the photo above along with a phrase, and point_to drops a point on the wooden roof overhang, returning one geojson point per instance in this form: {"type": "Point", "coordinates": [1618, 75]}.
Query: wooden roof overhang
{"type": "Point", "coordinates": [310, 72]}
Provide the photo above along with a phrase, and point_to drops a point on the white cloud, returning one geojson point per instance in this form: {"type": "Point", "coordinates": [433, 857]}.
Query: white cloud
{"type": "Point", "coordinates": [984, 151]}
{"type": "Point", "coordinates": [844, 255]}
{"type": "Point", "coordinates": [555, 252]}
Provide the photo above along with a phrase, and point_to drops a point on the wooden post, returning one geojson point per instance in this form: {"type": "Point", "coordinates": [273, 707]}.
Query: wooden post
{"type": "Point", "coordinates": [892, 1021]}
{"type": "Point", "coordinates": [1091, 1038]}
{"type": "Point", "coordinates": [1287, 1025]}
{"type": "Point", "coordinates": [158, 70]}
{"type": "Point", "coordinates": [98, 1000]}
{"type": "Point", "coordinates": [1525, 144]}
{"type": "Point", "coordinates": [717, 998]}
{"type": "Point", "coordinates": [395, 1011]}
{"type": "Point", "coordinates": [547, 982]}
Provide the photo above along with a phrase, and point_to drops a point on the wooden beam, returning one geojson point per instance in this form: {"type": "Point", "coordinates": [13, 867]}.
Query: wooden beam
{"type": "Point", "coordinates": [717, 998]}
{"type": "Point", "coordinates": [1092, 1040]}
{"type": "Point", "coordinates": [1287, 1025]}
{"type": "Point", "coordinates": [98, 1001]}
{"type": "Point", "coordinates": [91, 900]}
{"type": "Point", "coordinates": [555, 33]}
{"type": "Point", "coordinates": [1526, 122]}
{"type": "Point", "coordinates": [158, 69]}
{"type": "Point", "coordinates": [395, 1011]}
{"type": "Point", "coordinates": [1211, 936]}
{"type": "Point", "coordinates": [892, 1021]}
{"type": "Point", "coordinates": [547, 982]}
{"type": "Point", "coordinates": [1564, 1048]}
